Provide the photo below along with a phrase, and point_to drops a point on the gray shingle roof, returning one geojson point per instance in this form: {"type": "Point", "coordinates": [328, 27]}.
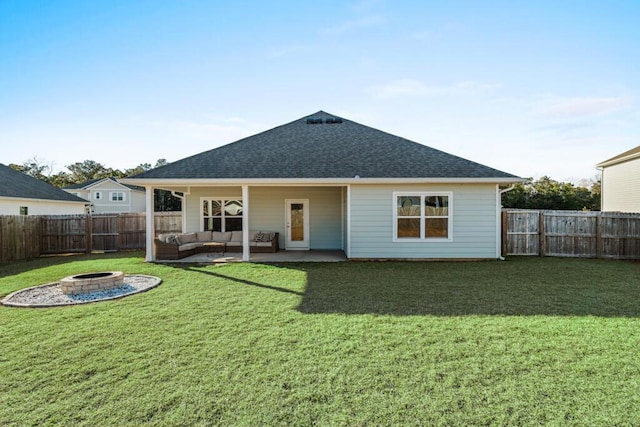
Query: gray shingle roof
{"type": "Point", "coordinates": [18, 184]}
{"type": "Point", "coordinates": [323, 146]}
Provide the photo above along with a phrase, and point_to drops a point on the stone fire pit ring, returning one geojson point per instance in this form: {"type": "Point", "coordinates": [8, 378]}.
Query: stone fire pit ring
{"type": "Point", "coordinates": [51, 294]}
{"type": "Point", "coordinates": [91, 282]}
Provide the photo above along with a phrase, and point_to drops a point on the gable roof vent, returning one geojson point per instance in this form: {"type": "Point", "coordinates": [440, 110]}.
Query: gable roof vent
{"type": "Point", "coordinates": [331, 120]}
{"type": "Point", "coordinates": [314, 121]}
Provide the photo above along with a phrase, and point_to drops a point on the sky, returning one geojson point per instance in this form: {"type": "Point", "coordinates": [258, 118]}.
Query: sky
{"type": "Point", "coordinates": [531, 88]}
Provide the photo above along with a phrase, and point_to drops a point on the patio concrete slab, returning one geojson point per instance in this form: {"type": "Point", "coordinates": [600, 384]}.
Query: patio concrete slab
{"type": "Point", "coordinates": [280, 256]}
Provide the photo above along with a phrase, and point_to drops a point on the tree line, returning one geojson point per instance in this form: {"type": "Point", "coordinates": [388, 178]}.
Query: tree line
{"type": "Point", "coordinates": [546, 193]}
{"type": "Point", "coordinates": [88, 170]}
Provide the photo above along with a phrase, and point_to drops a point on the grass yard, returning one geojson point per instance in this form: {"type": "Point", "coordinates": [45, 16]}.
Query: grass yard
{"type": "Point", "coordinates": [522, 342]}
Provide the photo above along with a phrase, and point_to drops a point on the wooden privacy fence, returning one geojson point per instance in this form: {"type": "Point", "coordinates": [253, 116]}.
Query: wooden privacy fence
{"type": "Point", "coordinates": [24, 237]}
{"type": "Point", "coordinates": [571, 234]}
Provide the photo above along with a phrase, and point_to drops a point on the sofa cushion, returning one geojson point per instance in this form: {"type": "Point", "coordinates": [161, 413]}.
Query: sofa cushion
{"type": "Point", "coordinates": [263, 244]}
{"type": "Point", "coordinates": [252, 235]}
{"type": "Point", "coordinates": [218, 236]}
{"type": "Point", "coordinates": [264, 236]}
{"type": "Point", "coordinates": [234, 244]}
{"type": "Point", "coordinates": [204, 236]}
{"type": "Point", "coordinates": [189, 246]}
{"type": "Point", "coordinates": [164, 236]}
{"type": "Point", "coordinates": [236, 236]}
{"type": "Point", "coordinates": [186, 238]}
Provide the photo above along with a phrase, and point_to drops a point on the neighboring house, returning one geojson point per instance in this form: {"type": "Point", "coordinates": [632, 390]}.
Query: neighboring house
{"type": "Point", "coordinates": [620, 185]}
{"type": "Point", "coordinates": [107, 195]}
{"type": "Point", "coordinates": [21, 194]}
{"type": "Point", "coordinates": [324, 182]}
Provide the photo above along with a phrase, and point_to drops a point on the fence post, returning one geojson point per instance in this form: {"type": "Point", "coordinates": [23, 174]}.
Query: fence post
{"type": "Point", "coordinates": [89, 233]}
{"type": "Point", "coordinates": [541, 235]}
{"type": "Point", "coordinates": [505, 241]}
{"type": "Point", "coordinates": [599, 235]}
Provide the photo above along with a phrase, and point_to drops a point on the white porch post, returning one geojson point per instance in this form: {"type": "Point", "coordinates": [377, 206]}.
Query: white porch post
{"type": "Point", "coordinates": [150, 232]}
{"type": "Point", "coordinates": [245, 223]}
{"type": "Point", "coordinates": [348, 221]}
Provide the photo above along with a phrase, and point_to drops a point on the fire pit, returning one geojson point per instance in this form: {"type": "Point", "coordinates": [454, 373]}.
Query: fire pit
{"type": "Point", "coordinates": [91, 282]}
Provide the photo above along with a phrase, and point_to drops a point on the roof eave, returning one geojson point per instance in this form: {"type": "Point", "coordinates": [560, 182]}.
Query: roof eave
{"type": "Point", "coordinates": [39, 199]}
{"type": "Point", "coordinates": [155, 182]}
{"type": "Point", "coordinates": [615, 161]}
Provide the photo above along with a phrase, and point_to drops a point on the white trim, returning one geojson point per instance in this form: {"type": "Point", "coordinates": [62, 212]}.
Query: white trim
{"type": "Point", "coordinates": [498, 222]}
{"type": "Point", "coordinates": [42, 200]}
{"type": "Point", "coordinates": [124, 196]}
{"type": "Point", "coordinates": [306, 231]}
{"type": "Point", "coordinates": [246, 252]}
{"type": "Point", "coordinates": [207, 182]}
{"type": "Point", "coordinates": [342, 218]}
{"type": "Point", "coordinates": [150, 225]}
{"type": "Point", "coordinates": [348, 221]}
{"type": "Point", "coordinates": [423, 216]}
{"type": "Point", "coordinates": [222, 215]}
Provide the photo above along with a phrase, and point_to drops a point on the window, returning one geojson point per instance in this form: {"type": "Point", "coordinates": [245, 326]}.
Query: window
{"type": "Point", "coordinates": [97, 195]}
{"type": "Point", "coordinates": [117, 196]}
{"type": "Point", "coordinates": [24, 210]}
{"type": "Point", "coordinates": [422, 216]}
{"type": "Point", "coordinates": [222, 214]}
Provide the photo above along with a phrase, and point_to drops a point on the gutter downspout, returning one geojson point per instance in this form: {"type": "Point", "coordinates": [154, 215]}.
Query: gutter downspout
{"type": "Point", "coordinates": [499, 218]}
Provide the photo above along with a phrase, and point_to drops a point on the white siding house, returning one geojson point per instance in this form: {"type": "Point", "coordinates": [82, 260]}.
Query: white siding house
{"type": "Point", "coordinates": [621, 182]}
{"type": "Point", "coordinates": [107, 195]}
{"type": "Point", "coordinates": [21, 194]}
{"type": "Point", "coordinates": [323, 182]}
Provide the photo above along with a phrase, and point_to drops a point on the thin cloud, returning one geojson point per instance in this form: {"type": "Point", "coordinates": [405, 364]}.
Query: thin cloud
{"type": "Point", "coordinates": [417, 89]}
{"type": "Point", "coordinates": [581, 107]}
{"type": "Point", "coordinates": [279, 52]}
{"type": "Point", "coordinates": [354, 24]}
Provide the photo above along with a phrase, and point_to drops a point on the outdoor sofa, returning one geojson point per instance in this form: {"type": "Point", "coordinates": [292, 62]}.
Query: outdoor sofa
{"type": "Point", "coordinates": [181, 245]}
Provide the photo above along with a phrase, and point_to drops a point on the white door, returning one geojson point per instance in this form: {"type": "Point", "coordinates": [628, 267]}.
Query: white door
{"type": "Point", "coordinates": [297, 224]}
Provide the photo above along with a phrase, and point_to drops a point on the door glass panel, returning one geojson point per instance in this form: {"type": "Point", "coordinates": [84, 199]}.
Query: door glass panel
{"type": "Point", "coordinates": [297, 222]}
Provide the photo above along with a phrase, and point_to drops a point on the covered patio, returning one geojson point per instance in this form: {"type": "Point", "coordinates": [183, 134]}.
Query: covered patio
{"type": "Point", "coordinates": [277, 257]}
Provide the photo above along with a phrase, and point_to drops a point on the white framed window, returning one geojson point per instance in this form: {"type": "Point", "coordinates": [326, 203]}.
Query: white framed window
{"type": "Point", "coordinates": [422, 216]}
{"type": "Point", "coordinates": [97, 195]}
{"type": "Point", "coordinates": [117, 196]}
{"type": "Point", "coordinates": [220, 214]}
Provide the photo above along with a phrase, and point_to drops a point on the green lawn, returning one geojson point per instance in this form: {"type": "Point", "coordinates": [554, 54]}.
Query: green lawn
{"type": "Point", "coordinates": [521, 342]}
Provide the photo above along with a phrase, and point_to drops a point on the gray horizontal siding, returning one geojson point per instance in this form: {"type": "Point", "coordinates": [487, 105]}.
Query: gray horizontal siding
{"type": "Point", "coordinates": [474, 223]}
{"type": "Point", "coordinates": [267, 210]}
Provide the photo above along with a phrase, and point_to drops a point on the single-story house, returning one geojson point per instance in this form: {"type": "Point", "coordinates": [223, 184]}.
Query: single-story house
{"type": "Point", "coordinates": [325, 182]}
{"type": "Point", "coordinates": [21, 194]}
{"type": "Point", "coordinates": [620, 183]}
{"type": "Point", "coordinates": [107, 195]}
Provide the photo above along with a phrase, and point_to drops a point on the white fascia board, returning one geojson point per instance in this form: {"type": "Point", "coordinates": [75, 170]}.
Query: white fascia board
{"type": "Point", "coordinates": [28, 199]}
{"type": "Point", "coordinates": [616, 161]}
{"type": "Point", "coordinates": [301, 182]}
{"type": "Point", "coordinates": [88, 187]}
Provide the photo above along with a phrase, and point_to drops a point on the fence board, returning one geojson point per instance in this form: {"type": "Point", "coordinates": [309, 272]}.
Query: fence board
{"type": "Point", "coordinates": [573, 234]}
{"type": "Point", "coordinates": [29, 236]}
{"type": "Point", "coordinates": [19, 237]}
{"type": "Point", "coordinates": [64, 234]}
